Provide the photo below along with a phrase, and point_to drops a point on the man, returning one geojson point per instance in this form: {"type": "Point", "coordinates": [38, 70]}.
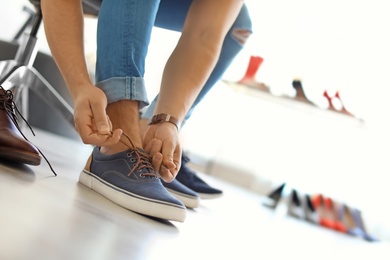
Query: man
{"type": "Point", "coordinates": [126, 165]}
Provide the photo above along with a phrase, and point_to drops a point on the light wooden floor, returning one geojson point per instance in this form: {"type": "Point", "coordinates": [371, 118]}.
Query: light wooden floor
{"type": "Point", "coordinates": [46, 217]}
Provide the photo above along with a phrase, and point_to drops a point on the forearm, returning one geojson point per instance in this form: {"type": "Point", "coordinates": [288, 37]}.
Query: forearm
{"type": "Point", "coordinates": [186, 71]}
{"type": "Point", "coordinates": [63, 22]}
{"type": "Point", "coordinates": [196, 54]}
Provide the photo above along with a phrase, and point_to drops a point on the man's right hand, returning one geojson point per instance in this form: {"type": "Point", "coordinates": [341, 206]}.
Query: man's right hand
{"type": "Point", "coordinates": [91, 120]}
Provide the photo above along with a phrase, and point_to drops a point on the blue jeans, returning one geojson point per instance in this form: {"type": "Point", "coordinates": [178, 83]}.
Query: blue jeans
{"type": "Point", "coordinates": [124, 30]}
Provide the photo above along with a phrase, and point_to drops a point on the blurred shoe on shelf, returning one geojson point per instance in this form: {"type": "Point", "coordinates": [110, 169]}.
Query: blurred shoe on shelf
{"type": "Point", "coordinates": [342, 109]}
{"type": "Point", "coordinates": [295, 205]}
{"type": "Point", "coordinates": [309, 210]}
{"type": "Point", "coordinates": [273, 198]}
{"type": "Point", "coordinates": [300, 93]}
{"type": "Point", "coordinates": [338, 225]}
{"type": "Point", "coordinates": [353, 222]}
{"type": "Point", "coordinates": [330, 102]}
{"type": "Point", "coordinates": [249, 79]}
{"type": "Point", "coordinates": [336, 104]}
{"type": "Point", "coordinates": [326, 212]}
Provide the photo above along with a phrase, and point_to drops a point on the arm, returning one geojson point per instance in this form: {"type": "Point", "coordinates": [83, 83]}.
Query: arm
{"type": "Point", "coordinates": [196, 54]}
{"type": "Point", "coordinates": [185, 73]}
{"type": "Point", "coordinates": [64, 25]}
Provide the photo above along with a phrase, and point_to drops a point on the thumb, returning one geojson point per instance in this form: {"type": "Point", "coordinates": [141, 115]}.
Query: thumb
{"type": "Point", "coordinates": [100, 118]}
{"type": "Point", "coordinates": [168, 150]}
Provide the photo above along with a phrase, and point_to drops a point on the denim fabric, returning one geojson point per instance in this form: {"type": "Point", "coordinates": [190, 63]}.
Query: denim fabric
{"type": "Point", "coordinates": [123, 36]}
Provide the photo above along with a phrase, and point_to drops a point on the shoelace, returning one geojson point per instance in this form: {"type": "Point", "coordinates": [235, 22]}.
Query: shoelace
{"type": "Point", "coordinates": [9, 106]}
{"type": "Point", "coordinates": [143, 159]}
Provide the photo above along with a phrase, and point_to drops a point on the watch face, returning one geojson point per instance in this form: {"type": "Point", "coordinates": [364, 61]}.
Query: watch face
{"type": "Point", "coordinates": [161, 118]}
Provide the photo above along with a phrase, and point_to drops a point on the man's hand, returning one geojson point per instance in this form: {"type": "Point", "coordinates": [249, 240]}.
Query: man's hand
{"type": "Point", "coordinates": [161, 141]}
{"type": "Point", "coordinates": [91, 119]}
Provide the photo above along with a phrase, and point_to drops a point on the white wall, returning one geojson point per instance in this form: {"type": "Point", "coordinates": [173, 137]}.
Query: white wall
{"type": "Point", "coordinates": [328, 44]}
{"type": "Point", "coordinates": [334, 45]}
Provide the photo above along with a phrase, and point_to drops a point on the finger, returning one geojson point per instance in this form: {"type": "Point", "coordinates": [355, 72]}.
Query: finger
{"type": "Point", "coordinates": [102, 139]}
{"type": "Point", "coordinates": [109, 123]}
{"type": "Point", "coordinates": [177, 158]}
{"type": "Point", "coordinates": [83, 125]}
{"type": "Point", "coordinates": [153, 147]}
{"type": "Point", "coordinates": [168, 151]}
{"type": "Point", "coordinates": [100, 118]}
{"type": "Point", "coordinates": [94, 139]}
{"type": "Point", "coordinates": [114, 138]}
{"type": "Point", "coordinates": [166, 174]}
{"type": "Point", "coordinates": [156, 162]}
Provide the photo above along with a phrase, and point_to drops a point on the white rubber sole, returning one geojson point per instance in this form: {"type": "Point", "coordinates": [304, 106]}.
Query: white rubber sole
{"type": "Point", "coordinates": [131, 201]}
{"type": "Point", "coordinates": [206, 196]}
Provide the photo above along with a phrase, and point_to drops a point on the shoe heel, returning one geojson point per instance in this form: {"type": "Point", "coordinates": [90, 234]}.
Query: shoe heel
{"type": "Point", "coordinates": [85, 179]}
{"type": "Point", "coordinates": [251, 71]}
{"type": "Point", "coordinates": [272, 199]}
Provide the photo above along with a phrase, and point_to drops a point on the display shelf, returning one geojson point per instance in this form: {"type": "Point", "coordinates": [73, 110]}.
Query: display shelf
{"type": "Point", "coordinates": [301, 105]}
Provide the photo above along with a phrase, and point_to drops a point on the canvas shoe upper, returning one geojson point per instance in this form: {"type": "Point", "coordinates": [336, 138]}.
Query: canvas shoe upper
{"type": "Point", "coordinates": [127, 178]}
{"type": "Point", "coordinates": [189, 197]}
{"type": "Point", "coordinates": [188, 177]}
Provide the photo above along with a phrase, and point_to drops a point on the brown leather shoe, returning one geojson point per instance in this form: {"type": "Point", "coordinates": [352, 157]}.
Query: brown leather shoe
{"type": "Point", "coordinates": [14, 146]}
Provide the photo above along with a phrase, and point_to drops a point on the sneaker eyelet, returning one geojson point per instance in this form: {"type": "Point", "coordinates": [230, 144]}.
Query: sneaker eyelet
{"type": "Point", "coordinates": [128, 155]}
{"type": "Point", "coordinates": [132, 160]}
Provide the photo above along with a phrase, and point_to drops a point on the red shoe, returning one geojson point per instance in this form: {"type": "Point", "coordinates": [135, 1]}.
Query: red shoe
{"type": "Point", "coordinates": [325, 211]}
{"type": "Point", "coordinates": [330, 102]}
{"type": "Point", "coordinates": [253, 66]}
{"type": "Point", "coordinates": [340, 107]}
{"type": "Point", "coordinates": [250, 74]}
{"type": "Point", "coordinates": [328, 219]}
{"type": "Point", "coordinates": [343, 109]}
{"type": "Point", "coordinates": [331, 219]}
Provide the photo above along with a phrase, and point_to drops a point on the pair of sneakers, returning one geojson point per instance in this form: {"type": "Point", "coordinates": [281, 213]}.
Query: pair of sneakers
{"type": "Point", "coordinates": [189, 187]}
{"type": "Point", "coordinates": [128, 179]}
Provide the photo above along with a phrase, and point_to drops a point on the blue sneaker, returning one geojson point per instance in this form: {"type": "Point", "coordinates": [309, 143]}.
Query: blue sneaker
{"type": "Point", "coordinates": [189, 197]}
{"type": "Point", "coordinates": [189, 178]}
{"type": "Point", "coordinates": [128, 179]}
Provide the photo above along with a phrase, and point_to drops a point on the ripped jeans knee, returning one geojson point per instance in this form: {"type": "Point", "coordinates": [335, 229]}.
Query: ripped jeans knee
{"type": "Point", "coordinates": [241, 35]}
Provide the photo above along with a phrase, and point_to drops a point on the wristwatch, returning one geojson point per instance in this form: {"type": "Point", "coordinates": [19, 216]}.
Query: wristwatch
{"type": "Point", "coordinates": [162, 118]}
